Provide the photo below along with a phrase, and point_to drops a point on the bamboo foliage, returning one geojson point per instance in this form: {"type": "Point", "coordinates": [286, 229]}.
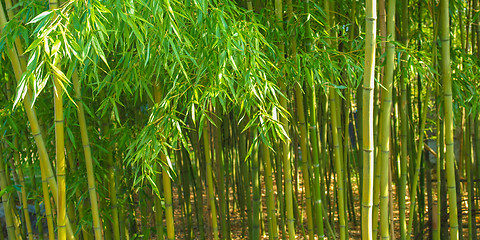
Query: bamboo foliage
{"type": "Point", "coordinates": [268, 111]}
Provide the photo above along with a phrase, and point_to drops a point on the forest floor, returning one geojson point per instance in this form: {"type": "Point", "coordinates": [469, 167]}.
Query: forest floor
{"type": "Point", "coordinates": [239, 230]}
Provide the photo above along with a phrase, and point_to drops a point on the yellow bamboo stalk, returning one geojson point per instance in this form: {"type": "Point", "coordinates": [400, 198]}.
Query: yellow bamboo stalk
{"type": "Point", "coordinates": [34, 124]}
{"type": "Point", "coordinates": [367, 115]}
{"type": "Point", "coordinates": [59, 150]}
{"type": "Point", "coordinates": [48, 206]}
{"type": "Point", "coordinates": [166, 181]}
{"type": "Point", "coordinates": [88, 157]}
{"type": "Point", "coordinates": [61, 164]}
{"type": "Point", "coordinates": [167, 191]}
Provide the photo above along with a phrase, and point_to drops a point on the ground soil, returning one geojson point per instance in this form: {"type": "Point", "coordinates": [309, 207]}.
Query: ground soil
{"type": "Point", "coordinates": [237, 224]}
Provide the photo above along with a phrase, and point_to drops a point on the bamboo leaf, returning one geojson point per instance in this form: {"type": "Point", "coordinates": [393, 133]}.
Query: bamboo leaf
{"type": "Point", "coordinates": [40, 16]}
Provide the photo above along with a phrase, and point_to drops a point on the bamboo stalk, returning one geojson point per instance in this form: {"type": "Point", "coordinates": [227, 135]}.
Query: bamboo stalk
{"type": "Point", "coordinates": [385, 121]}
{"type": "Point", "coordinates": [448, 108]}
{"type": "Point", "coordinates": [272, 219]}
{"type": "Point", "coordinates": [6, 200]}
{"type": "Point", "coordinates": [219, 157]}
{"type": "Point", "coordinates": [316, 164]}
{"type": "Point", "coordinates": [367, 115]}
{"type": "Point", "coordinates": [468, 169]}
{"type": "Point", "coordinates": [61, 165]}
{"type": "Point", "coordinates": [211, 193]}
{"type": "Point", "coordinates": [158, 206]}
{"type": "Point", "coordinates": [285, 146]}
{"type": "Point", "coordinates": [166, 181]}
{"type": "Point", "coordinates": [88, 157]}
{"type": "Point", "coordinates": [198, 185]}
{"type": "Point", "coordinates": [403, 127]}
{"type": "Point", "coordinates": [20, 179]}
{"type": "Point", "coordinates": [34, 124]}
{"type": "Point", "coordinates": [338, 164]}
{"type": "Point", "coordinates": [256, 195]}
{"type": "Point", "coordinates": [302, 127]}
{"type": "Point", "coordinates": [313, 131]}
{"type": "Point", "coordinates": [59, 149]}
{"type": "Point", "coordinates": [305, 150]}
{"type": "Point", "coordinates": [413, 190]}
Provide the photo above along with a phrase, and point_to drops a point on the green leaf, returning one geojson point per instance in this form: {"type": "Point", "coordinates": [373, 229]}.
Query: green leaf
{"type": "Point", "coordinates": [98, 49]}
{"type": "Point", "coordinates": [40, 17]}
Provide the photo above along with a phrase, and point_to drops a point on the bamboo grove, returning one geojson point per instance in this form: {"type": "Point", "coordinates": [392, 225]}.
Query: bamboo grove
{"type": "Point", "coordinates": [251, 119]}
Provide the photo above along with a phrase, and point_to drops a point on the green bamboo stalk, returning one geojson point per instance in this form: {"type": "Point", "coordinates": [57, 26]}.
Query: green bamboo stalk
{"type": "Point", "coordinates": [20, 180]}
{"type": "Point", "coordinates": [338, 164]}
{"type": "Point", "coordinates": [436, 231]}
{"type": "Point", "coordinates": [305, 168]}
{"type": "Point", "coordinates": [468, 169]}
{"type": "Point", "coordinates": [48, 206]}
{"type": "Point", "coordinates": [198, 184]}
{"type": "Point", "coordinates": [209, 173]}
{"type": "Point", "coordinates": [256, 195]}
{"type": "Point", "coordinates": [413, 190]}
{"type": "Point", "coordinates": [72, 205]}
{"type": "Point", "coordinates": [447, 95]}
{"type": "Point", "coordinates": [158, 206]}
{"type": "Point", "coordinates": [385, 121]}
{"type": "Point", "coordinates": [476, 166]}
{"type": "Point", "coordinates": [403, 127]}
{"type": "Point", "coordinates": [166, 181]}
{"type": "Point", "coordinates": [185, 175]}
{"type": "Point", "coordinates": [317, 177]}
{"type": "Point", "coordinates": [313, 131]}
{"type": "Point", "coordinates": [70, 156]}
{"type": "Point", "coordinates": [6, 199]}
{"type": "Point", "coordinates": [229, 171]}
{"type": "Point", "coordinates": [219, 158]}
{"type": "Point", "coordinates": [437, 227]}
{"type": "Point", "coordinates": [367, 115]}
{"type": "Point", "coordinates": [245, 178]}
{"type": "Point", "coordinates": [302, 127]}
{"type": "Point", "coordinates": [34, 187]}
{"type": "Point", "coordinates": [285, 146]}
{"type": "Point", "coordinates": [376, 187]}
{"type": "Point", "coordinates": [272, 219]}
{"type": "Point", "coordinates": [17, 221]}
{"type": "Point", "coordinates": [476, 171]}
{"type": "Point", "coordinates": [315, 157]}
{"type": "Point", "coordinates": [143, 201]}
{"type": "Point", "coordinates": [280, 195]}
{"type": "Point", "coordinates": [88, 160]}
{"type": "Point", "coordinates": [167, 191]}
{"type": "Point", "coordinates": [111, 225]}
{"type": "Point", "coordinates": [378, 93]}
